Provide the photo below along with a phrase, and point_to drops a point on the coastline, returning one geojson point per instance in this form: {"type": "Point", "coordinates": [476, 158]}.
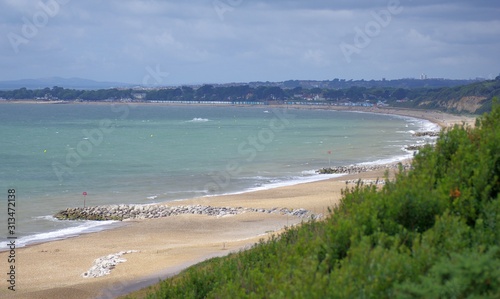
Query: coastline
{"type": "Point", "coordinates": [442, 119]}
{"type": "Point", "coordinates": [168, 245]}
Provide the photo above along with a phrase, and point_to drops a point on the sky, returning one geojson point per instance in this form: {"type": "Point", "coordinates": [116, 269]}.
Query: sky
{"type": "Point", "coordinates": [163, 42]}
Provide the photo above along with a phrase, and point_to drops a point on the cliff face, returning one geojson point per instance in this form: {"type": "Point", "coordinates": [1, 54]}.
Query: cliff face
{"type": "Point", "coordinates": [468, 104]}
{"type": "Point", "coordinates": [474, 98]}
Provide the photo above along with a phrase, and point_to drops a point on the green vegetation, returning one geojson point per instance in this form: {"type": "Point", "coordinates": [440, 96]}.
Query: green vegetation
{"type": "Point", "coordinates": [473, 98]}
{"type": "Point", "coordinates": [470, 98]}
{"type": "Point", "coordinates": [433, 232]}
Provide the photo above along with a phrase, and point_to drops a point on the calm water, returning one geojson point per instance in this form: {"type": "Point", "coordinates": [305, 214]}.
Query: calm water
{"type": "Point", "coordinates": [51, 154]}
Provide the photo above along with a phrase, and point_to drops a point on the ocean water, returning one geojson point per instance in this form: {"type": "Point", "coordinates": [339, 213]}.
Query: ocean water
{"type": "Point", "coordinates": [52, 154]}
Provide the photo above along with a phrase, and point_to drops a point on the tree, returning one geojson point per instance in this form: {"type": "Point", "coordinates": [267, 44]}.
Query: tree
{"type": "Point", "coordinates": [187, 93]}
{"type": "Point", "coordinates": [334, 94]}
{"type": "Point", "coordinates": [316, 91]}
{"type": "Point", "coordinates": [205, 92]}
{"type": "Point", "coordinates": [297, 90]}
{"type": "Point", "coordinates": [400, 93]}
{"type": "Point", "coordinates": [22, 94]}
{"type": "Point", "coordinates": [355, 93]}
{"type": "Point", "coordinates": [56, 91]}
{"type": "Point", "coordinates": [291, 84]}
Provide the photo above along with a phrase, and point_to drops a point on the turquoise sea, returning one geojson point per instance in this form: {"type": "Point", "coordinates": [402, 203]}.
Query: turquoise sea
{"type": "Point", "coordinates": [52, 153]}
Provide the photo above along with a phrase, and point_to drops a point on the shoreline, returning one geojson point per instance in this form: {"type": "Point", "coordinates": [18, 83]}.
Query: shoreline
{"type": "Point", "coordinates": [109, 224]}
{"type": "Point", "coordinates": [82, 229]}
{"type": "Point", "coordinates": [191, 239]}
{"type": "Point", "coordinates": [442, 119]}
{"type": "Point", "coordinates": [78, 252]}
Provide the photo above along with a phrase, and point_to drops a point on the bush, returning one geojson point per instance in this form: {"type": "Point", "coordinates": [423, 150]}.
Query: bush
{"type": "Point", "coordinates": [461, 275]}
{"type": "Point", "coordinates": [434, 232]}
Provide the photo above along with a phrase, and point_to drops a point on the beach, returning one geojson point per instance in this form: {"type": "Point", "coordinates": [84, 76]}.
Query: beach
{"type": "Point", "coordinates": [165, 246]}
{"type": "Point", "coordinates": [444, 120]}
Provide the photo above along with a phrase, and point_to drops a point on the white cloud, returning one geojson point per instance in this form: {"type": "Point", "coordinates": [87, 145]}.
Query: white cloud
{"type": "Point", "coordinates": [116, 40]}
{"type": "Point", "coordinates": [316, 57]}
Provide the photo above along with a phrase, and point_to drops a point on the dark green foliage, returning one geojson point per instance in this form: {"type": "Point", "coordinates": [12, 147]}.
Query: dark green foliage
{"type": "Point", "coordinates": [433, 232]}
{"type": "Point", "coordinates": [407, 93]}
{"type": "Point", "coordinates": [461, 275]}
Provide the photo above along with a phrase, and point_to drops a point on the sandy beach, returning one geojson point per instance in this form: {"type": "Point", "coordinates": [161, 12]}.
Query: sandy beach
{"type": "Point", "coordinates": [166, 246]}
{"type": "Point", "coordinates": [442, 119]}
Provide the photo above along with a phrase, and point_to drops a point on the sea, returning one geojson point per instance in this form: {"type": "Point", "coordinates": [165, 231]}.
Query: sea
{"type": "Point", "coordinates": [57, 156]}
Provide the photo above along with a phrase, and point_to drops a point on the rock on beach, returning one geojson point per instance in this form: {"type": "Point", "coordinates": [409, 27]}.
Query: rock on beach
{"type": "Point", "coordinates": [427, 134]}
{"type": "Point", "coordinates": [103, 265]}
{"type": "Point", "coordinates": [126, 212]}
{"type": "Point", "coordinates": [355, 169]}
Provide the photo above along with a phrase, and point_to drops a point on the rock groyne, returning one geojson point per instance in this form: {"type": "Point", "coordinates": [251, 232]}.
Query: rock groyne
{"type": "Point", "coordinates": [126, 212]}
{"type": "Point", "coordinates": [414, 147]}
{"type": "Point", "coordinates": [355, 169]}
{"type": "Point", "coordinates": [366, 182]}
{"type": "Point", "coordinates": [427, 134]}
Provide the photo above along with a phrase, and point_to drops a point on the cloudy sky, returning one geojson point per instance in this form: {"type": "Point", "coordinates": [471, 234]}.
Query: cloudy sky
{"type": "Point", "coordinates": [205, 41]}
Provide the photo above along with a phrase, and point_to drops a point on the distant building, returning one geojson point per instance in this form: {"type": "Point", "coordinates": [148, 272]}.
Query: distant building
{"type": "Point", "coordinates": [139, 95]}
{"type": "Point", "coordinates": [47, 97]}
{"type": "Point", "coordinates": [423, 76]}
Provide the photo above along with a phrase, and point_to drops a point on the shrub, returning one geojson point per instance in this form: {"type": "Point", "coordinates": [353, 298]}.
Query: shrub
{"type": "Point", "coordinates": [434, 232]}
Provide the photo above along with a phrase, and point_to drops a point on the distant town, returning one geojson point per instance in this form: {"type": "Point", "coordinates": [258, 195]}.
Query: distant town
{"type": "Point", "coordinates": [472, 96]}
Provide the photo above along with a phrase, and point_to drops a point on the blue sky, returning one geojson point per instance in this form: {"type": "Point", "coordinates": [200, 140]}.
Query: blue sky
{"type": "Point", "coordinates": [207, 41]}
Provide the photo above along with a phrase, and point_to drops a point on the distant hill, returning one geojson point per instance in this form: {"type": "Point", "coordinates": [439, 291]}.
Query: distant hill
{"type": "Point", "coordinates": [73, 83]}
{"type": "Point", "coordinates": [343, 83]}
{"type": "Point", "coordinates": [86, 84]}
{"type": "Point", "coordinates": [471, 98]}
